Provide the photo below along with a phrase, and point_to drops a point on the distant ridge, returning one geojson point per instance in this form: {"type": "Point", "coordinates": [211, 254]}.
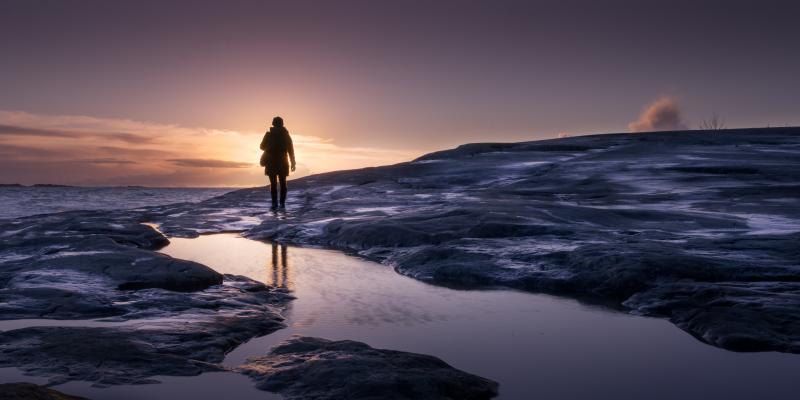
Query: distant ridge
{"type": "Point", "coordinates": [34, 185]}
{"type": "Point", "coordinates": [49, 185]}
{"type": "Point", "coordinates": [53, 185]}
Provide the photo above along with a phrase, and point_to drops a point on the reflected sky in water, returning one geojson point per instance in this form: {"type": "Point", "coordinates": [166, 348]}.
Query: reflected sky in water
{"type": "Point", "coordinates": [536, 346]}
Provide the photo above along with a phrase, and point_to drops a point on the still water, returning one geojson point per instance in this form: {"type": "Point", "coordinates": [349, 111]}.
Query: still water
{"type": "Point", "coordinates": [535, 346]}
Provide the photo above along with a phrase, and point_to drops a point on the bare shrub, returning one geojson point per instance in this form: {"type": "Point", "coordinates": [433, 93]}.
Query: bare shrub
{"type": "Point", "coordinates": [713, 124]}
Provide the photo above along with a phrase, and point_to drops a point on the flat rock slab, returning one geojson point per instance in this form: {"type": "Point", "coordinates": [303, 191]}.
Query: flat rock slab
{"type": "Point", "coordinates": [80, 264]}
{"type": "Point", "coordinates": [146, 313]}
{"type": "Point", "coordinates": [129, 354]}
{"type": "Point", "coordinates": [631, 220]}
{"type": "Point", "coordinates": [29, 391]}
{"type": "Point", "coordinates": [197, 332]}
{"type": "Point", "coordinates": [314, 368]}
{"type": "Point", "coordinates": [697, 227]}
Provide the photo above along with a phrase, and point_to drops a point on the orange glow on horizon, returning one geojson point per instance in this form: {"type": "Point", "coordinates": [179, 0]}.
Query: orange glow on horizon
{"type": "Point", "coordinates": [80, 150]}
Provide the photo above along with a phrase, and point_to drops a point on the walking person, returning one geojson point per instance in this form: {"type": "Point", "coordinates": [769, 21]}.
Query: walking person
{"type": "Point", "coordinates": [277, 144]}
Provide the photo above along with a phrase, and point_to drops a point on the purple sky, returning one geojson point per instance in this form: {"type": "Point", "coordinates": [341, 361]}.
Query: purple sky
{"type": "Point", "coordinates": [407, 77]}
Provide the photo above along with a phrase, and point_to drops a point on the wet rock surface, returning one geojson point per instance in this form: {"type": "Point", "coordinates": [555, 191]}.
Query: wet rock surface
{"type": "Point", "coordinates": [129, 354]}
{"type": "Point", "coordinates": [697, 227]}
{"type": "Point", "coordinates": [631, 220]}
{"type": "Point", "coordinates": [314, 368]}
{"type": "Point", "coordinates": [29, 391]}
{"type": "Point", "coordinates": [149, 314]}
{"type": "Point", "coordinates": [77, 265]}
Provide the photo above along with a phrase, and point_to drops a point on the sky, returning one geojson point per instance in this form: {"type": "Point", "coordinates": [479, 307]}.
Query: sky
{"type": "Point", "coordinates": [179, 93]}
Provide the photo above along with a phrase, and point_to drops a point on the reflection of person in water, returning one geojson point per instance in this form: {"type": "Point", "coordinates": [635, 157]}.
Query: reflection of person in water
{"type": "Point", "coordinates": [277, 144]}
{"type": "Point", "coordinates": [280, 270]}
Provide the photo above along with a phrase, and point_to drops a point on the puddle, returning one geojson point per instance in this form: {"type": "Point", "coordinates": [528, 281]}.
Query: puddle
{"type": "Point", "coordinates": [536, 346]}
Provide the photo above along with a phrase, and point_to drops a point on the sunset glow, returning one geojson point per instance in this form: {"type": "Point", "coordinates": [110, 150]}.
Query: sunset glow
{"type": "Point", "coordinates": [178, 93]}
{"type": "Point", "coordinates": [82, 150]}
{"type": "Point", "coordinates": [408, 199]}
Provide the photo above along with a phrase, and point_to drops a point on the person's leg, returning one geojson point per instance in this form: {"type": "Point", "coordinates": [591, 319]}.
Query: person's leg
{"type": "Point", "coordinates": [273, 189]}
{"type": "Point", "coordinates": [283, 190]}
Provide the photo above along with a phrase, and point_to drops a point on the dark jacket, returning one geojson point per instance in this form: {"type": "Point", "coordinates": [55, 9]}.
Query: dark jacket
{"type": "Point", "coordinates": [277, 144]}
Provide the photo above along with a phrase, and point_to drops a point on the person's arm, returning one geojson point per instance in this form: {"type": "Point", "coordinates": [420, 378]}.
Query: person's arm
{"type": "Point", "coordinates": [290, 150]}
{"type": "Point", "coordinates": [263, 145]}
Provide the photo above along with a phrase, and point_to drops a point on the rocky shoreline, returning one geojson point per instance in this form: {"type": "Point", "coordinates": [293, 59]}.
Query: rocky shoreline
{"type": "Point", "coordinates": [148, 315]}
{"type": "Point", "coordinates": [697, 227]}
{"type": "Point", "coordinates": [180, 317]}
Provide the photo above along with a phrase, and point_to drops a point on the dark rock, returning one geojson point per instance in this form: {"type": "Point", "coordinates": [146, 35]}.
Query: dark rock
{"type": "Point", "coordinates": [162, 316]}
{"type": "Point", "coordinates": [314, 368]}
{"type": "Point", "coordinates": [698, 228]}
{"type": "Point", "coordinates": [603, 217]}
{"type": "Point", "coordinates": [131, 354]}
{"type": "Point", "coordinates": [29, 391]}
{"type": "Point", "coordinates": [725, 314]}
{"type": "Point", "coordinates": [76, 265]}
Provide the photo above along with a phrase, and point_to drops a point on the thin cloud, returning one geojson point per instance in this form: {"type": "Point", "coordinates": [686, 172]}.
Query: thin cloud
{"type": "Point", "coordinates": [84, 150]}
{"type": "Point", "coordinates": [13, 130]}
{"type": "Point", "coordinates": [208, 163]}
{"type": "Point", "coordinates": [21, 130]}
{"type": "Point", "coordinates": [110, 161]}
{"type": "Point", "coordinates": [662, 115]}
{"type": "Point", "coordinates": [22, 152]}
{"type": "Point", "coordinates": [142, 152]}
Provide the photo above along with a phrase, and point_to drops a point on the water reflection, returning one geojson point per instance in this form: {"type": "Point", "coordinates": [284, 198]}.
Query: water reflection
{"type": "Point", "coordinates": [280, 266]}
{"type": "Point", "coordinates": [529, 343]}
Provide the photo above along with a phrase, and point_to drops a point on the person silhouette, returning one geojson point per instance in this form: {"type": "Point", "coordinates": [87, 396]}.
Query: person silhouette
{"type": "Point", "coordinates": [276, 145]}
